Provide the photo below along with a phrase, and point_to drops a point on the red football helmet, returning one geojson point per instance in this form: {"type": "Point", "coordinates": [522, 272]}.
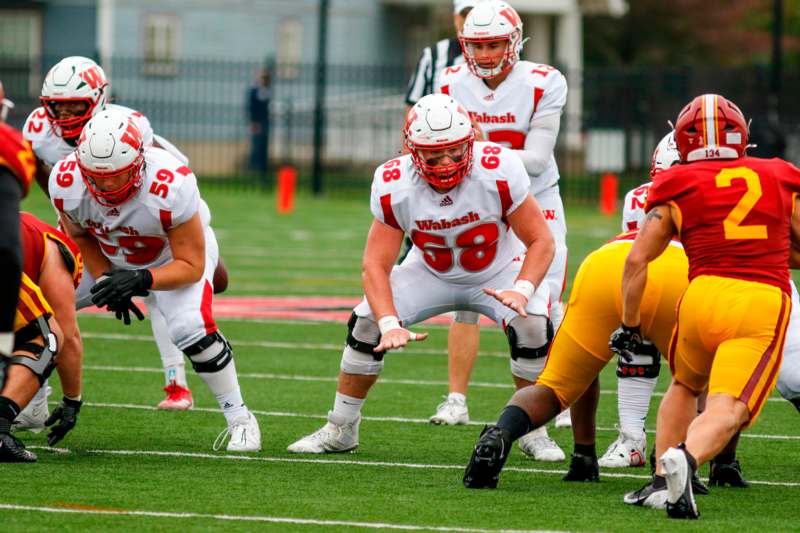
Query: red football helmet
{"type": "Point", "coordinates": [711, 127]}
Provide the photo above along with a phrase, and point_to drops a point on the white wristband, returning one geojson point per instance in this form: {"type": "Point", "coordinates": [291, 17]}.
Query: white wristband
{"type": "Point", "coordinates": [524, 287]}
{"type": "Point", "coordinates": [6, 343]}
{"type": "Point", "coordinates": [388, 323]}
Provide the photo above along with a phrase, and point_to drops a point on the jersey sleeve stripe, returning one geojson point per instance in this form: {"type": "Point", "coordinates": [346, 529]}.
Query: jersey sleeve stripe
{"type": "Point", "coordinates": [505, 196]}
{"type": "Point", "coordinates": [388, 212]}
{"type": "Point", "coordinates": [777, 338]}
{"type": "Point", "coordinates": [538, 92]}
{"type": "Point", "coordinates": [59, 203]}
{"type": "Point", "coordinates": [183, 170]}
{"type": "Point", "coordinates": [166, 219]}
{"type": "Point", "coordinates": [445, 89]}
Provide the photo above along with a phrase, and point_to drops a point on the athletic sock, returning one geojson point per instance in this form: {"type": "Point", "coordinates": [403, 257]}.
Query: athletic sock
{"type": "Point", "coordinates": [347, 407]}
{"type": "Point", "coordinates": [8, 412]}
{"type": "Point", "coordinates": [232, 405]}
{"type": "Point", "coordinates": [515, 421]}
{"type": "Point", "coordinates": [176, 372]}
{"type": "Point", "coordinates": [633, 403]}
{"type": "Point", "coordinates": [589, 450]}
{"type": "Point", "coordinates": [457, 397]}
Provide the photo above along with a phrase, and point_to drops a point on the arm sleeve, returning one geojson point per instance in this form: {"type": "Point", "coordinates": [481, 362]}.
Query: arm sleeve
{"type": "Point", "coordinates": [10, 248]}
{"type": "Point", "coordinates": [421, 78]}
{"type": "Point", "coordinates": [539, 143]}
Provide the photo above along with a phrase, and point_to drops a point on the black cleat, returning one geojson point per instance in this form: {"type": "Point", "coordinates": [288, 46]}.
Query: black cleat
{"type": "Point", "coordinates": [727, 474]}
{"type": "Point", "coordinates": [698, 487]}
{"type": "Point", "coordinates": [488, 458]}
{"type": "Point", "coordinates": [583, 468]}
{"type": "Point", "coordinates": [13, 451]}
{"type": "Point", "coordinates": [678, 473]}
{"type": "Point", "coordinates": [796, 403]}
{"type": "Point", "coordinates": [648, 496]}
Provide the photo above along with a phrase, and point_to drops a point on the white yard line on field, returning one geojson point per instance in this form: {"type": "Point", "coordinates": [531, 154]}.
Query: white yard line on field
{"type": "Point", "coordinates": [249, 518]}
{"type": "Point", "coordinates": [398, 419]}
{"type": "Point", "coordinates": [354, 462]}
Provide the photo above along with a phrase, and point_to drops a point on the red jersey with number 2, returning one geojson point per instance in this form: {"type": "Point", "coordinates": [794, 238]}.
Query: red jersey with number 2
{"type": "Point", "coordinates": [734, 216]}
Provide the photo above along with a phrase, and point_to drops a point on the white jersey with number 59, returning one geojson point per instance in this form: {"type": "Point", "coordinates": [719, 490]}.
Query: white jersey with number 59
{"type": "Point", "coordinates": [132, 235]}
{"type": "Point", "coordinates": [463, 235]}
{"type": "Point", "coordinates": [531, 90]}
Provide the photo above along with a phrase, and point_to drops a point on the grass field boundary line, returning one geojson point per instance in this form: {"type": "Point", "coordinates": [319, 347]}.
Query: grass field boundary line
{"type": "Point", "coordinates": [355, 462]}
{"type": "Point", "coordinates": [332, 379]}
{"type": "Point", "coordinates": [256, 518]}
{"type": "Point", "coordinates": [402, 420]}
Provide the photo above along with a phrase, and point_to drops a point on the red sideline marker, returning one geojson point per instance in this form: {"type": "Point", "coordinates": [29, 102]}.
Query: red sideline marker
{"type": "Point", "coordinates": [609, 188]}
{"type": "Point", "coordinates": [287, 181]}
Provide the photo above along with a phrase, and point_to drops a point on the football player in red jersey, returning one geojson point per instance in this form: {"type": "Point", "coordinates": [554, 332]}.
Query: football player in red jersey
{"type": "Point", "coordinates": [735, 217]}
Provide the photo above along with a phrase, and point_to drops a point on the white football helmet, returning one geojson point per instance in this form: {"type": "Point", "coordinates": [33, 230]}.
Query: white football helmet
{"type": "Point", "coordinates": [665, 155]}
{"type": "Point", "coordinates": [5, 104]}
{"type": "Point", "coordinates": [74, 79]}
{"type": "Point", "coordinates": [438, 123]}
{"type": "Point", "coordinates": [111, 145]}
{"type": "Point", "coordinates": [492, 21]}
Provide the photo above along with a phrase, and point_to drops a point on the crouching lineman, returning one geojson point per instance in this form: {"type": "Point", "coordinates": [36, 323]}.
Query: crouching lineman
{"type": "Point", "coordinates": [457, 209]}
{"type": "Point", "coordinates": [134, 212]}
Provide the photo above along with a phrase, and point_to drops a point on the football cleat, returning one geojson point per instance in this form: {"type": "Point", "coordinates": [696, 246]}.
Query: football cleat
{"type": "Point", "coordinates": [678, 473]}
{"type": "Point", "coordinates": [540, 446]}
{"type": "Point", "coordinates": [626, 451]}
{"type": "Point", "coordinates": [337, 436]}
{"type": "Point", "coordinates": [178, 398]}
{"type": "Point", "coordinates": [727, 474]}
{"type": "Point", "coordinates": [698, 487]}
{"type": "Point", "coordinates": [648, 496]}
{"type": "Point", "coordinates": [33, 417]}
{"type": "Point", "coordinates": [583, 468]}
{"type": "Point", "coordinates": [13, 451]}
{"type": "Point", "coordinates": [564, 419]}
{"type": "Point", "coordinates": [451, 413]}
{"type": "Point", "coordinates": [244, 433]}
{"type": "Point", "coordinates": [488, 457]}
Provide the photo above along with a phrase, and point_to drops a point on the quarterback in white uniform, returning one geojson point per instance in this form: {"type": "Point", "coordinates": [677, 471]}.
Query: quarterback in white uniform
{"type": "Point", "coordinates": [517, 104]}
{"type": "Point", "coordinates": [458, 201]}
{"type": "Point", "coordinates": [135, 213]}
{"type": "Point", "coordinates": [74, 90]}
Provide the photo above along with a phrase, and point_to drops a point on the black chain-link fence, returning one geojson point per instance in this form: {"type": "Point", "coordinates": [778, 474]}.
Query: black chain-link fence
{"type": "Point", "coordinates": [201, 107]}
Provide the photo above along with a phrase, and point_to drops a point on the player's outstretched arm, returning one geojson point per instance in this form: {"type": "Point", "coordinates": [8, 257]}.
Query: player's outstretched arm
{"type": "Point", "coordinates": [380, 254]}
{"type": "Point", "coordinates": [188, 245]}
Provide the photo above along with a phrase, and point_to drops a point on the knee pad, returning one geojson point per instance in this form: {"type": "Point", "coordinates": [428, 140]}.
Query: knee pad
{"type": "Point", "coordinates": [644, 365]}
{"type": "Point", "coordinates": [360, 363]}
{"type": "Point", "coordinates": [467, 317]}
{"type": "Point", "coordinates": [42, 362]}
{"type": "Point", "coordinates": [529, 337]}
{"type": "Point", "coordinates": [210, 354]}
{"type": "Point", "coordinates": [363, 335]}
{"type": "Point", "coordinates": [527, 369]}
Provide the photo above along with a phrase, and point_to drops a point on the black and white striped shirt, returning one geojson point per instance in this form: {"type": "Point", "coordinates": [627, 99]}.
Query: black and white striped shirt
{"type": "Point", "coordinates": [432, 62]}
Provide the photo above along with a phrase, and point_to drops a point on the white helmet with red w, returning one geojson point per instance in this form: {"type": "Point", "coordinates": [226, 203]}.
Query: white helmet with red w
{"type": "Point", "coordinates": [439, 135]}
{"type": "Point", "coordinates": [111, 146]}
{"type": "Point", "coordinates": [665, 155]}
{"type": "Point", "coordinates": [74, 79]}
{"type": "Point", "coordinates": [492, 21]}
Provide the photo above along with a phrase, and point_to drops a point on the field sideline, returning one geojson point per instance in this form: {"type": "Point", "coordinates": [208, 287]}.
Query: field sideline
{"type": "Point", "coordinates": [128, 466]}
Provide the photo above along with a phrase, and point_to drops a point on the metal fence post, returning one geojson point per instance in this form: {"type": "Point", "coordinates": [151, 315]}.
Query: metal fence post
{"type": "Point", "coordinates": [319, 98]}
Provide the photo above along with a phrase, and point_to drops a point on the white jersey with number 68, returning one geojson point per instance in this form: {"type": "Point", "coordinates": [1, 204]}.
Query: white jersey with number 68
{"type": "Point", "coordinates": [462, 235]}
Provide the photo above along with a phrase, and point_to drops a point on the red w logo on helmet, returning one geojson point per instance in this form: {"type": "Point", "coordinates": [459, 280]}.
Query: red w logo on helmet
{"type": "Point", "coordinates": [132, 136]}
{"type": "Point", "coordinates": [93, 77]}
{"type": "Point", "coordinates": [511, 15]}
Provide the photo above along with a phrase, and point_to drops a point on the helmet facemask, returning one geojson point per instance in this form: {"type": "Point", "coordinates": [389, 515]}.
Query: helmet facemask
{"type": "Point", "coordinates": [121, 194]}
{"type": "Point", "coordinates": [70, 127]}
{"type": "Point", "coordinates": [509, 58]}
{"type": "Point", "coordinates": [445, 176]}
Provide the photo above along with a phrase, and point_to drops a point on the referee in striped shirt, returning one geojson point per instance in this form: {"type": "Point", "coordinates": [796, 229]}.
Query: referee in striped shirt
{"type": "Point", "coordinates": [436, 58]}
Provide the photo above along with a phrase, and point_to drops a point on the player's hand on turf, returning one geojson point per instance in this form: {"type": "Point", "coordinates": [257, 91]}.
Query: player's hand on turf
{"type": "Point", "coordinates": [512, 299]}
{"type": "Point", "coordinates": [121, 285]}
{"type": "Point", "coordinates": [65, 416]}
{"type": "Point", "coordinates": [627, 341]}
{"type": "Point", "coordinates": [397, 338]}
{"type": "Point", "coordinates": [123, 309]}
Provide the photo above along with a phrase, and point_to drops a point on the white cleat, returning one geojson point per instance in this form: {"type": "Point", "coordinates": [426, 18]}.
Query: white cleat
{"type": "Point", "coordinates": [564, 419]}
{"type": "Point", "coordinates": [244, 433]}
{"type": "Point", "coordinates": [626, 451]}
{"type": "Point", "coordinates": [451, 413]}
{"type": "Point", "coordinates": [678, 473]}
{"type": "Point", "coordinates": [33, 417]}
{"type": "Point", "coordinates": [336, 436]}
{"type": "Point", "coordinates": [540, 446]}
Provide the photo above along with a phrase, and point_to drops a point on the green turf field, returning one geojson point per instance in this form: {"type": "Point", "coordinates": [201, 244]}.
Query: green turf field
{"type": "Point", "coordinates": [155, 471]}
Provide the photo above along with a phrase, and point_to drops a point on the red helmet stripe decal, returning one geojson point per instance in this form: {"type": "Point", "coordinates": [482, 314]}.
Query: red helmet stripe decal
{"type": "Point", "coordinates": [709, 120]}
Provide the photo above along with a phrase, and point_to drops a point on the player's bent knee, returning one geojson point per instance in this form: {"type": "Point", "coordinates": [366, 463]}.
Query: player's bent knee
{"type": "Point", "coordinates": [360, 363]}
{"type": "Point", "coordinates": [42, 359]}
{"type": "Point", "coordinates": [529, 339]}
{"type": "Point", "coordinates": [364, 335]}
{"type": "Point", "coordinates": [210, 354]}
{"type": "Point", "coordinates": [467, 317]}
{"type": "Point", "coordinates": [644, 365]}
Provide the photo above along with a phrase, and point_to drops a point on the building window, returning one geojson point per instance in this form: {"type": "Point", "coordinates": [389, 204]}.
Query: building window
{"type": "Point", "coordinates": [290, 48]}
{"type": "Point", "coordinates": [161, 44]}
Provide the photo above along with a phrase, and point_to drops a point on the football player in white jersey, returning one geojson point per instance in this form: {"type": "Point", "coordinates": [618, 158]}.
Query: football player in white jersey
{"type": "Point", "coordinates": [457, 200]}
{"type": "Point", "coordinates": [517, 104]}
{"type": "Point", "coordinates": [74, 90]}
{"type": "Point", "coordinates": [134, 211]}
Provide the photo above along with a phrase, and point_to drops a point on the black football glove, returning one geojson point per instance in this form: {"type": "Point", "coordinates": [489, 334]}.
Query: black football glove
{"type": "Point", "coordinates": [123, 309]}
{"type": "Point", "coordinates": [66, 414]}
{"type": "Point", "coordinates": [121, 285]}
{"type": "Point", "coordinates": [628, 341]}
